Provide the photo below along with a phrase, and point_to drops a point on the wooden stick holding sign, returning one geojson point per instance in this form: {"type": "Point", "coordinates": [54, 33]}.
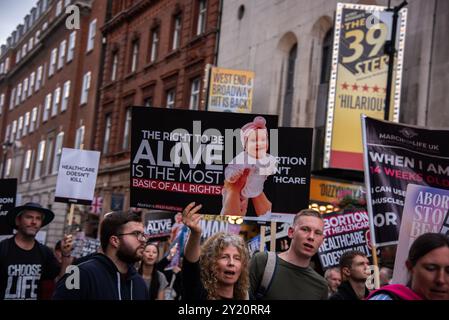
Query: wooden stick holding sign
{"type": "Point", "coordinates": [262, 239]}
{"type": "Point", "coordinates": [376, 267]}
{"type": "Point", "coordinates": [273, 236]}
{"type": "Point", "coordinates": [72, 205]}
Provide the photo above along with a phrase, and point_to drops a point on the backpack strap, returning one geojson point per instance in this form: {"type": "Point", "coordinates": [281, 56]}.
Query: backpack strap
{"type": "Point", "coordinates": [268, 274]}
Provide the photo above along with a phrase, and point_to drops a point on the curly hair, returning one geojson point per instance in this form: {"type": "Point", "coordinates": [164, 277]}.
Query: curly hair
{"type": "Point", "coordinates": [210, 252]}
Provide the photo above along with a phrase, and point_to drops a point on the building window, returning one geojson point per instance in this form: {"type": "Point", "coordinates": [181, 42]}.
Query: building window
{"type": "Point", "coordinates": [19, 129]}
{"type": "Point", "coordinates": [7, 132]}
{"type": "Point", "coordinates": [326, 59]}
{"type": "Point", "coordinates": [33, 119]}
{"type": "Point", "coordinates": [71, 50]}
{"type": "Point", "coordinates": [195, 94]}
{"type": "Point", "coordinates": [30, 43]}
{"type": "Point", "coordinates": [48, 154]}
{"type": "Point", "coordinates": [36, 37]}
{"type": "Point", "coordinates": [62, 51]}
{"type": "Point", "coordinates": [52, 66]}
{"type": "Point", "coordinates": [32, 82]}
{"type": "Point", "coordinates": [39, 160]}
{"type": "Point", "coordinates": [56, 101]}
{"type": "Point", "coordinates": [7, 65]}
{"type": "Point", "coordinates": [176, 32]}
{"type": "Point", "coordinates": [2, 102]}
{"type": "Point", "coordinates": [107, 134]}
{"type": "Point", "coordinates": [65, 96]}
{"type": "Point", "coordinates": [114, 66]}
{"type": "Point", "coordinates": [154, 45]}
{"type": "Point", "coordinates": [26, 165]}
{"type": "Point", "coordinates": [58, 152]}
{"type": "Point", "coordinates": [126, 132]}
{"type": "Point", "coordinates": [12, 98]}
{"type": "Point", "coordinates": [79, 138]}
{"type": "Point", "coordinates": [13, 131]}
{"type": "Point", "coordinates": [92, 32]}
{"type": "Point", "coordinates": [24, 50]}
{"type": "Point", "coordinates": [86, 87]}
{"type": "Point", "coordinates": [171, 95]}
{"type": "Point", "coordinates": [134, 56]}
{"type": "Point", "coordinates": [8, 168]}
{"type": "Point", "coordinates": [201, 21]}
{"type": "Point", "coordinates": [40, 71]}
{"type": "Point", "coordinates": [59, 8]}
{"type": "Point", "coordinates": [18, 94]}
{"type": "Point", "coordinates": [25, 89]}
{"type": "Point", "coordinates": [26, 124]}
{"type": "Point", "coordinates": [148, 102]}
{"type": "Point", "coordinates": [47, 107]}
{"type": "Point", "coordinates": [289, 87]}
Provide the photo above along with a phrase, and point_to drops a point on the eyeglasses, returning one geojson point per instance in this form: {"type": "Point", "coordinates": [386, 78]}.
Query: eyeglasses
{"type": "Point", "coordinates": [139, 235]}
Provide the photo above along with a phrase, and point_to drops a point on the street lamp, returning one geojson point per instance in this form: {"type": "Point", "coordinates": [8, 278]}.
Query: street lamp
{"type": "Point", "coordinates": [5, 147]}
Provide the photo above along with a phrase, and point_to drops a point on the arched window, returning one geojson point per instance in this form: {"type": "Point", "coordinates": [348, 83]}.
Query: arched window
{"type": "Point", "coordinates": [289, 87]}
{"type": "Point", "coordinates": [323, 90]}
{"type": "Point", "coordinates": [326, 58]}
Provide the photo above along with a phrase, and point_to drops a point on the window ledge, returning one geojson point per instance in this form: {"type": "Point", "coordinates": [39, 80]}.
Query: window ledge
{"type": "Point", "coordinates": [173, 53]}
{"type": "Point", "coordinates": [131, 75]}
{"type": "Point", "coordinates": [149, 65]}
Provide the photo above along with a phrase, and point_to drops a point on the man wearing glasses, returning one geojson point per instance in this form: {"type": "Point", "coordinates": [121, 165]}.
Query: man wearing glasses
{"type": "Point", "coordinates": [110, 275]}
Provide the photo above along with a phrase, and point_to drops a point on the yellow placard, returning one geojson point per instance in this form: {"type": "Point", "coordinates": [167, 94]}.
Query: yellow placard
{"type": "Point", "coordinates": [230, 90]}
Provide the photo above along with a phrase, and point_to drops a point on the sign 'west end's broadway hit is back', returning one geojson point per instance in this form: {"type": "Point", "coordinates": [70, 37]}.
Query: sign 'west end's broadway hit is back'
{"type": "Point", "coordinates": [230, 90]}
{"type": "Point", "coordinates": [180, 156]}
{"type": "Point", "coordinates": [396, 155]}
{"type": "Point", "coordinates": [358, 83]}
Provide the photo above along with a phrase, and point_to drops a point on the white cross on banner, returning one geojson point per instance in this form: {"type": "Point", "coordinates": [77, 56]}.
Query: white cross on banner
{"type": "Point", "coordinates": [97, 205]}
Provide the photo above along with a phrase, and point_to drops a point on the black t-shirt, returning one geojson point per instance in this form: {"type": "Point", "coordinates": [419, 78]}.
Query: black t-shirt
{"type": "Point", "coordinates": [21, 271]}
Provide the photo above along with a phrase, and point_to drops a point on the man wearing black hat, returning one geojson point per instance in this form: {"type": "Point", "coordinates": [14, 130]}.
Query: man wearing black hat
{"type": "Point", "coordinates": [25, 264]}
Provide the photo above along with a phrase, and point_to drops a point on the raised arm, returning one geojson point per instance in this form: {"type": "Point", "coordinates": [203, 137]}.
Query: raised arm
{"type": "Point", "coordinates": [191, 219]}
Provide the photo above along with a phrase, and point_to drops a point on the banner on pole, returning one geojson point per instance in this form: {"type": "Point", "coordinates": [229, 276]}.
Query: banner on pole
{"type": "Point", "coordinates": [358, 83]}
{"type": "Point", "coordinates": [396, 155]}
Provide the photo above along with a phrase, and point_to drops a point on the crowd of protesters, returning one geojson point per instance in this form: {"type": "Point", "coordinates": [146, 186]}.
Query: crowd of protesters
{"type": "Point", "coordinates": [128, 266]}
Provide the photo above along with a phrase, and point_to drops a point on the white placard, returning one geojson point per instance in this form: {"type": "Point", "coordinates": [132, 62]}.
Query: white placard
{"type": "Point", "coordinates": [77, 176]}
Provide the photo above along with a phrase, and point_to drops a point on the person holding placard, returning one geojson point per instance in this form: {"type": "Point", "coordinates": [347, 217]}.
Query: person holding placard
{"type": "Point", "coordinates": [28, 268]}
{"type": "Point", "coordinates": [217, 270]}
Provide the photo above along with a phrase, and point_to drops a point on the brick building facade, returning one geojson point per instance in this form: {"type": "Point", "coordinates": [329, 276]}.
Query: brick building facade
{"type": "Point", "coordinates": [156, 54]}
{"type": "Point", "coordinates": [49, 88]}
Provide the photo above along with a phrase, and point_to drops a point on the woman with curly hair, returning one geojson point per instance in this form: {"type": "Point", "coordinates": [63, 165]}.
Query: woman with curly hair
{"type": "Point", "coordinates": [216, 270]}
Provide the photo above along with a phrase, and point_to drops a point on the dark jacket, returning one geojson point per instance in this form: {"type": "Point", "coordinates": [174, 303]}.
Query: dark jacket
{"type": "Point", "coordinates": [346, 292]}
{"type": "Point", "coordinates": [99, 279]}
